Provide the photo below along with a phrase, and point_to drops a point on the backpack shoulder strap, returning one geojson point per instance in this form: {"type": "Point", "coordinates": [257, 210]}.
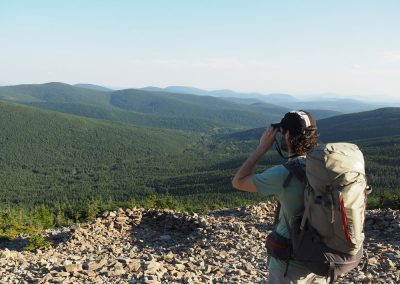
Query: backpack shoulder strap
{"type": "Point", "coordinates": [295, 169]}
{"type": "Point", "coordinates": [276, 214]}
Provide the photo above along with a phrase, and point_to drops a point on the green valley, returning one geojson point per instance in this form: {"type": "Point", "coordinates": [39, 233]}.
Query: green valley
{"type": "Point", "coordinates": [132, 148]}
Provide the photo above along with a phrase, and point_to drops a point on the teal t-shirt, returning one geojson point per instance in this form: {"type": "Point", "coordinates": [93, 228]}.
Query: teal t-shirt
{"type": "Point", "coordinates": [270, 182]}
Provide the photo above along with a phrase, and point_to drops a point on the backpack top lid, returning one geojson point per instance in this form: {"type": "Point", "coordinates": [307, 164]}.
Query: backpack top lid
{"type": "Point", "coordinates": [334, 164]}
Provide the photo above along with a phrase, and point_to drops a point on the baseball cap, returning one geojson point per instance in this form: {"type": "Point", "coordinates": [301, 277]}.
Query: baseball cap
{"type": "Point", "coordinates": [297, 122]}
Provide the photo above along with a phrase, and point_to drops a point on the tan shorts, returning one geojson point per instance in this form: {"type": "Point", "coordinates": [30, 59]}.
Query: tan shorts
{"type": "Point", "coordinates": [294, 277]}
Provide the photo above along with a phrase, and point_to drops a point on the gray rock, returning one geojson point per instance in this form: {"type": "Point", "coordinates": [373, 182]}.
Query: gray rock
{"type": "Point", "coordinates": [163, 246]}
{"type": "Point", "coordinates": [165, 238]}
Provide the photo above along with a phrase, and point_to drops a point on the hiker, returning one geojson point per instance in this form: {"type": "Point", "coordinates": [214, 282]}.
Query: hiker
{"type": "Point", "coordinates": [298, 131]}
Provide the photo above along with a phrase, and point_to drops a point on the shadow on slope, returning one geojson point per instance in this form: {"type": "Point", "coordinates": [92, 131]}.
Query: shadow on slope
{"type": "Point", "coordinates": [55, 238]}
{"type": "Point", "coordinates": [167, 231]}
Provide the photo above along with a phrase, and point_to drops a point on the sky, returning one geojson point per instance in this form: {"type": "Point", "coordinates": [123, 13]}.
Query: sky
{"type": "Point", "coordinates": [303, 48]}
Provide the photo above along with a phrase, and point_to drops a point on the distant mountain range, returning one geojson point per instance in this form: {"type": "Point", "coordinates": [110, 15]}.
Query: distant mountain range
{"type": "Point", "coordinates": [336, 105]}
{"type": "Point", "coordinates": [149, 107]}
{"type": "Point", "coordinates": [201, 111]}
{"type": "Point", "coordinates": [339, 105]}
{"type": "Point", "coordinates": [270, 98]}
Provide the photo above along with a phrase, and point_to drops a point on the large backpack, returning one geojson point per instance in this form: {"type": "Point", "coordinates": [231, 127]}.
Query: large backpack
{"type": "Point", "coordinates": [329, 236]}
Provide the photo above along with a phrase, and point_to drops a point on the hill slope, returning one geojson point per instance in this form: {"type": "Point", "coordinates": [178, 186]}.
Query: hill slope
{"type": "Point", "coordinates": [55, 93]}
{"type": "Point", "coordinates": [370, 124]}
{"type": "Point", "coordinates": [363, 125]}
{"type": "Point", "coordinates": [116, 114]}
{"type": "Point", "coordinates": [189, 106]}
{"type": "Point", "coordinates": [48, 157]}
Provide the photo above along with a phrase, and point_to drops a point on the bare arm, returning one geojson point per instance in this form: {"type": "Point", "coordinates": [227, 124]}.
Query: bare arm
{"type": "Point", "coordinates": [243, 179]}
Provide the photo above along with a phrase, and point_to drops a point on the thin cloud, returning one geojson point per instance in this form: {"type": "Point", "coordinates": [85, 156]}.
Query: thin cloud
{"type": "Point", "coordinates": [219, 63]}
{"type": "Point", "coordinates": [391, 56]}
{"type": "Point", "coordinates": [357, 66]}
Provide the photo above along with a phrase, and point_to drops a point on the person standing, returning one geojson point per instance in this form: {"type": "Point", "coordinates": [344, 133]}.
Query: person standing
{"type": "Point", "coordinates": [299, 134]}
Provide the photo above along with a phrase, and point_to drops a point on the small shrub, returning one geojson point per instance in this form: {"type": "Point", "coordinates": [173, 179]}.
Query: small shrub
{"type": "Point", "coordinates": [36, 242]}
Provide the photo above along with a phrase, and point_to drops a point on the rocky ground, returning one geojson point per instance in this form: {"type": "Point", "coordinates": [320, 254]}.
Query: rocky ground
{"type": "Point", "coordinates": [161, 246]}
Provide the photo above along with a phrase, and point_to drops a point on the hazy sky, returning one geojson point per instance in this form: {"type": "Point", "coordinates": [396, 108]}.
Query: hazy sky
{"type": "Point", "coordinates": [296, 47]}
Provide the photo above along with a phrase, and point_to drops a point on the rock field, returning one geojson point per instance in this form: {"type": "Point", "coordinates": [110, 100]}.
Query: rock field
{"type": "Point", "coordinates": [163, 246]}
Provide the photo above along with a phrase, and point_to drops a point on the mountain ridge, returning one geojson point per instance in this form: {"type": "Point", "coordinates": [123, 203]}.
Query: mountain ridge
{"type": "Point", "coordinates": [363, 125]}
{"type": "Point", "coordinates": [210, 111]}
{"type": "Point", "coordinates": [344, 105]}
{"type": "Point", "coordinates": [93, 87]}
{"type": "Point", "coordinates": [149, 108]}
{"type": "Point", "coordinates": [370, 124]}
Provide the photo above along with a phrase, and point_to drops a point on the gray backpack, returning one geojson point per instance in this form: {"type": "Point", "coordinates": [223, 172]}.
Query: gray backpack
{"type": "Point", "coordinates": [329, 236]}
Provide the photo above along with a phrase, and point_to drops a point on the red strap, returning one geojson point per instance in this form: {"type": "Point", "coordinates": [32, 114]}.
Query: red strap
{"type": "Point", "coordinates": [344, 219]}
{"type": "Point", "coordinates": [277, 245]}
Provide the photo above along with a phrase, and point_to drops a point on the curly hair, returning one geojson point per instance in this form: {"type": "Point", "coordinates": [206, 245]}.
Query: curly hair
{"type": "Point", "coordinates": [302, 143]}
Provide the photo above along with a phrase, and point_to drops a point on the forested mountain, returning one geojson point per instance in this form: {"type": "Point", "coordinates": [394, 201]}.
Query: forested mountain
{"type": "Point", "coordinates": [370, 124]}
{"type": "Point", "coordinates": [191, 106]}
{"type": "Point", "coordinates": [93, 87]}
{"type": "Point", "coordinates": [163, 110]}
{"type": "Point", "coordinates": [115, 114]}
{"type": "Point", "coordinates": [246, 101]}
{"type": "Point", "coordinates": [52, 157]}
{"type": "Point", "coordinates": [53, 93]}
{"type": "Point", "coordinates": [363, 125]}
